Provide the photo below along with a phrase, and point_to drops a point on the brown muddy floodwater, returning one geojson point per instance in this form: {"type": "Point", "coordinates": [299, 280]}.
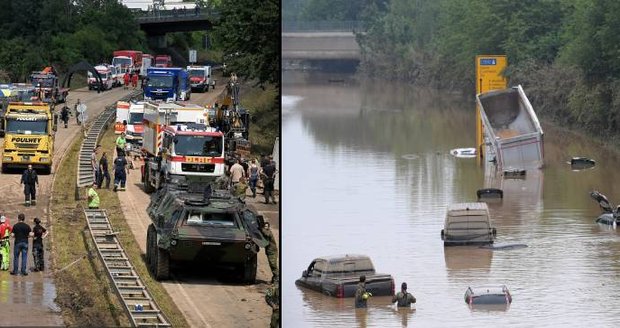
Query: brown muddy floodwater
{"type": "Point", "coordinates": [368, 170]}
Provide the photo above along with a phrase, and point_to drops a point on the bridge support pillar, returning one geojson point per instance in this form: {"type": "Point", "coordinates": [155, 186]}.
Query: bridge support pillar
{"type": "Point", "coordinates": [157, 41]}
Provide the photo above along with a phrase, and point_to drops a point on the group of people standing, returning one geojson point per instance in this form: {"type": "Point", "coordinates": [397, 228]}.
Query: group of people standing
{"type": "Point", "coordinates": [130, 78]}
{"type": "Point", "coordinates": [242, 172]}
{"type": "Point", "coordinates": [403, 299]}
{"type": "Point", "coordinates": [100, 167]}
{"type": "Point", "coordinates": [21, 232]}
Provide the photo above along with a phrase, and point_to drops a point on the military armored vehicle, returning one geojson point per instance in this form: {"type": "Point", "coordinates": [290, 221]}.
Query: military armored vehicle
{"type": "Point", "coordinates": [214, 229]}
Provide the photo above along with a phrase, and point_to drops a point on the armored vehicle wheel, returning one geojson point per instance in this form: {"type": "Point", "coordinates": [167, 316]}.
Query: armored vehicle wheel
{"type": "Point", "coordinates": [147, 184]}
{"type": "Point", "coordinates": [249, 270]}
{"type": "Point", "coordinates": [162, 264]}
{"type": "Point", "coordinates": [150, 243]}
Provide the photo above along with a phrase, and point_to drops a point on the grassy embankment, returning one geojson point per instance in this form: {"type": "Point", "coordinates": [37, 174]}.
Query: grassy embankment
{"type": "Point", "coordinates": [264, 113]}
{"type": "Point", "coordinates": [85, 294]}
{"type": "Point", "coordinates": [265, 117]}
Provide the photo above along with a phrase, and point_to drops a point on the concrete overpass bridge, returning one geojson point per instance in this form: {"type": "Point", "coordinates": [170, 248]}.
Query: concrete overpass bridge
{"type": "Point", "coordinates": [320, 41]}
{"type": "Point", "coordinates": [156, 23]}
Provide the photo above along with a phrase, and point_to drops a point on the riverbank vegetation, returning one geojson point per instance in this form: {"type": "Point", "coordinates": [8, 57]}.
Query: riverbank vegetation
{"type": "Point", "coordinates": [563, 52]}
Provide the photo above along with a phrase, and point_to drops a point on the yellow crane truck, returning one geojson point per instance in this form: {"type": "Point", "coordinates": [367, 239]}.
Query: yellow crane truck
{"type": "Point", "coordinates": [29, 136]}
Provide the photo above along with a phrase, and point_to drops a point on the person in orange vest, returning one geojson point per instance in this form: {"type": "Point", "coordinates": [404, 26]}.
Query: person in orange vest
{"type": "Point", "coordinates": [126, 80]}
{"type": "Point", "coordinates": [5, 233]}
{"type": "Point", "coordinates": [134, 80]}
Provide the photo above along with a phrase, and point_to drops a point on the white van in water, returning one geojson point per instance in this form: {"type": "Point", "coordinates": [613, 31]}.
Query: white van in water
{"type": "Point", "coordinates": [468, 224]}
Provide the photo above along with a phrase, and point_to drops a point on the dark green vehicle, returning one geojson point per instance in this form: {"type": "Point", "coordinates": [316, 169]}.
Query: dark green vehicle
{"type": "Point", "coordinates": [221, 231]}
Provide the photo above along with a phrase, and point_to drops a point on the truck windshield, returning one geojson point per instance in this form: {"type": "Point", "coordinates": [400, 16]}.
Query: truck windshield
{"type": "Point", "coordinates": [43, 82]}
{"type": "Point", "coordinates": [135, 118]}
{"type": "Point", "coordinates": [160, 81]}
{"type": "Point", "coordinates": [17, 126]}
{"type": "Point", "coordinates": [197, 72]}
{"type": "Point", "coordinates": [198, 146]}
{"type": "Point", "coordinates": [23, 95]}
{"type": "Point", "coordinates": [162, 62]}
{"type": "Point", "coordinates": [218, 219]}
{"type": "Point", "coordinates": [118, 61]}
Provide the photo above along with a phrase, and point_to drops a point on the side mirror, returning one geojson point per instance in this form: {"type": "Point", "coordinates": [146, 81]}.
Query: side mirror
{"type": "Point", "coordinates": [304, 274]}
{"type": "Point", "coordinates": [442, 235]}
{"type": "Point", "coordinates": [494, 232]}
{"type": "Point", "coordinates": [124, 122]}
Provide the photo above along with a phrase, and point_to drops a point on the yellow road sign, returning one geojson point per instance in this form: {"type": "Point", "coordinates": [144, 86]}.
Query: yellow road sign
{"type": "Point", "coordinates": [489, 70]}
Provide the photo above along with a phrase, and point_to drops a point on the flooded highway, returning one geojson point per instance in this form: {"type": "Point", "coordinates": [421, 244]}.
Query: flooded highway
{"type": "Point", "coordinates": [368, 170]}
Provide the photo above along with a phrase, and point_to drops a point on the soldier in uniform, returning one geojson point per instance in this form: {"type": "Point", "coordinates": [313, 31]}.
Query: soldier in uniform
{"type": "Point", "coordinates": [403, 298]}
{"type": "Point", "coordinates": [271, 251]}
{"type": "Point", "coordinates": [361, 295]}
{"type": "Point", "coordinates": [272, 297]}
{"type": "Point", "coordinates": [37, 245]}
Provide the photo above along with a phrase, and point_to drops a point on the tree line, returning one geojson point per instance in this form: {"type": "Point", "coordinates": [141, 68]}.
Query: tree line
{"type": "Point", "coordinates": [39, 33]}
{"type": "Point", "coordinates": [565, 53]}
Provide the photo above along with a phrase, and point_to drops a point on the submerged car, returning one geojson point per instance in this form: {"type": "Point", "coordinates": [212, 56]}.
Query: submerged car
{"type": "Point", "coordinates": [496, 294]}
{"type": "Point", "coordinates": [468, 224]}
{"type": "Point", "coordinates": [214, 230]}
{"type": "Point", "coordinates": [339, 275]}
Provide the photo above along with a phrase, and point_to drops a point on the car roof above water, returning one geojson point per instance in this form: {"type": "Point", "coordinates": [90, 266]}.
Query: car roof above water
{"type": "Point", "coordinates": [464, 209]}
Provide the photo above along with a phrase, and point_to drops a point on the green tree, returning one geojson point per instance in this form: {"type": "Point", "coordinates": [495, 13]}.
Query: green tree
{"type": "Point", "coordinates": [249, 34]}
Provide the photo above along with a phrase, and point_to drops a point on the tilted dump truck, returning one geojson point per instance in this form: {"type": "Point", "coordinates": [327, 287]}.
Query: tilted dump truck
{"type": "Point", "coordinates": [177, 143]}
{"type": "Point", "coordinates": [29, 136]}
{"type": "Point", "coordinates": [511, 128]}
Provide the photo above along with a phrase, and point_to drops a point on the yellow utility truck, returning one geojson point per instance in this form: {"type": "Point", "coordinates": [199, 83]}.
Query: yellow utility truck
{"type": "Point", "coordinates": [29, 136]}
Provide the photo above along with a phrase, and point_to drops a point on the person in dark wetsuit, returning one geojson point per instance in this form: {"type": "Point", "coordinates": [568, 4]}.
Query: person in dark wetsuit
{"type": "Point", "coordinates": [37, 245]}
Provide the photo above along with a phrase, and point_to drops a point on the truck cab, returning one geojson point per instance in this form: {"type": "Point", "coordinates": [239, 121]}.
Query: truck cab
{"type": "Point", "coordinates": [200, 77]}
{"type": "Point", "coordinates": [129, 59]}
{"type": "Point", "coordinates": [48, 87]}
{"type": "Point", "coordinates": [163, 61]}
{"type": "Point", "coordinates": [14, 92]}
{"type": "Point", "coordinates": [29, 136]}
{"type": "Point", "coordinates": [192, 149]}
{"type": "Point", "coordinates": [129, 116]}
{"type": "Point", "coordinates": [169, 84]}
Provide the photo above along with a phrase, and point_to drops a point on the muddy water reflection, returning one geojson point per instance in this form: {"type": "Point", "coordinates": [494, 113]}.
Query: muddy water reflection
{"type": "Point", "coordinates": [354, 187]}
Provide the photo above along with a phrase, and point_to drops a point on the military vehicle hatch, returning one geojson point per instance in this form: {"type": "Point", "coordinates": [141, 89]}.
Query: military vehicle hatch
{"type": "Point", "coordinates": [220, 230]}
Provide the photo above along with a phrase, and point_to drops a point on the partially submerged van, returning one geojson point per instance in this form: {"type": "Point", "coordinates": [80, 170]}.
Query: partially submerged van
{"type": "Point", "coordinates": [468, 224]}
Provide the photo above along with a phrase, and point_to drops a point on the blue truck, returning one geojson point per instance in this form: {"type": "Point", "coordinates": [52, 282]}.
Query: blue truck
{"type": "Point", "coordinates": [167, 83]}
